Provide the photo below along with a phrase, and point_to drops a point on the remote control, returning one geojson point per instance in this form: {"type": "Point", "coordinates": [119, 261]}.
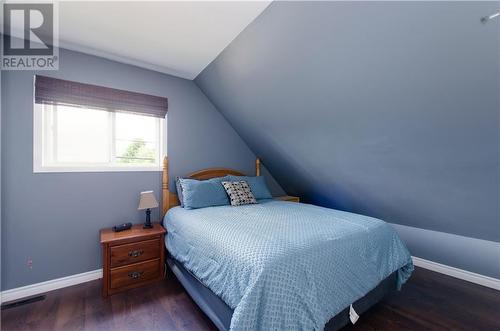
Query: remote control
{"type": "Point", "coordinates": [122, 227]}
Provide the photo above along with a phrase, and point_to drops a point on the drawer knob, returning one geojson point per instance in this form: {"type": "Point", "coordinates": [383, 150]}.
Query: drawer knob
{"type": "Point", "coordinates": [135, 274]}
{"type": "Point", "coordinates": [135, 253]}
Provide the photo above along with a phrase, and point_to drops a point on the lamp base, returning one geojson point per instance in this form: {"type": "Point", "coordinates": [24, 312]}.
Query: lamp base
{"type": "Point", "coordinates": [148, 224]}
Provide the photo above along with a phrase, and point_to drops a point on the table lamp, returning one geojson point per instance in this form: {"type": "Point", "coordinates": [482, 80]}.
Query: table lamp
{"type": "Point", "coordinates": [147, 202]}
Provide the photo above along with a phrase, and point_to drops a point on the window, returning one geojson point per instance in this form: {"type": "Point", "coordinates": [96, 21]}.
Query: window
{"type": "Point", "coordinates": [77, 137]}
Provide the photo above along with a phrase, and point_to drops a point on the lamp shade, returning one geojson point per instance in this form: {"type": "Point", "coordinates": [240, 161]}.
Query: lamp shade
{"type": "Point", "coordinates": [147, 200]}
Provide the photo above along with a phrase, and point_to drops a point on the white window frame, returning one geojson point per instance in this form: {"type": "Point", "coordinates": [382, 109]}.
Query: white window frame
{"type": "Point", "coordinates": [39, 166]}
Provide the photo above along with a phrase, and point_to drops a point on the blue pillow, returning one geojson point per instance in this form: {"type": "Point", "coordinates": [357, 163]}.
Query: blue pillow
{"type": "Point", "coordinates": [257, 185]}
{"type": "Point", "coordinates": [178, 188]}
{"type": "Point", "coordinates": [203, 193]}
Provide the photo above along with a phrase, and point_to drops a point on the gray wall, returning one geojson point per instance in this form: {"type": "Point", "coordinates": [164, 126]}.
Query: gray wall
{"type": "Point", "coordinates": [54, 218]}
{"type": "Point", "coordinates": [385, 109]}
{"type": "Point", "coordinates": [1, 106]}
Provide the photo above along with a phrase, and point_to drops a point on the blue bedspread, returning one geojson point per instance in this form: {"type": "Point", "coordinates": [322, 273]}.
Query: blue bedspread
{"type": "Point", "coordinates": [284, 265]}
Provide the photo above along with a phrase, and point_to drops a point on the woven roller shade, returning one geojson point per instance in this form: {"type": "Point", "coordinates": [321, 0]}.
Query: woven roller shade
{"type": "Point", "coordinates": [63, 92]}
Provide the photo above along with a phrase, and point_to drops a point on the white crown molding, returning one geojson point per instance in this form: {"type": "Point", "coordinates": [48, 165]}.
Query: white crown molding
{"type": "Point", "coordinates": [123, 59]}
{"type": "Point", "coordinates": [457, 273]}
{"type": "Point", "coordinates": [115, 57]}
{"type": "Point", "coordinates": [50, 285]}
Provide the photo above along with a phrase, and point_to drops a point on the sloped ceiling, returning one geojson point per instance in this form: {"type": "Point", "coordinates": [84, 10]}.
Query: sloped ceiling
{"type": "Point", "coordinates": [385, 109]}
{"type": "Point", "coordinates": [175, 37]}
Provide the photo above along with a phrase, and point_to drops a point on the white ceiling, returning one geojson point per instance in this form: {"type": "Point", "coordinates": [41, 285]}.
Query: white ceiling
{"type": "Point", "coordinates": [178, 38]}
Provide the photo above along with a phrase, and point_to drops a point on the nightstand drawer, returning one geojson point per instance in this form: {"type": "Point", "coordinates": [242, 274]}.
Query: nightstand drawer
{"type": "Point", "coordinates": [132, 258]}
{"type": "Point", "coordinates": [135, 252]}
{"type": "Point", "coordinates": [135, 273]}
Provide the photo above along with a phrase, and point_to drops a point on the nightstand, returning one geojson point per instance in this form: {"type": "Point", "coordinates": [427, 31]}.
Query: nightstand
{"type": "Point", "coordinates": [287, 198]}
{"type": "Point", "coordinates": [132, 258]}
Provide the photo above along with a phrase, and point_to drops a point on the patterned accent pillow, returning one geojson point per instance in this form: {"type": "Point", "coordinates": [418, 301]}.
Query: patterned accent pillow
{"type": "Point", "coordinates": [239, 193]}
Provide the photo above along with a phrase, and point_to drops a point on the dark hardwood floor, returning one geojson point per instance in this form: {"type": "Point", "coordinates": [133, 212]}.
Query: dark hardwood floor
{"type": "Point", "coordinates": [429, 301]}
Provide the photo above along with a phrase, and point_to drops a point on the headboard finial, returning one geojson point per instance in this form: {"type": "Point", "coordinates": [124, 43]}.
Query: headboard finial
{"type": "Point", "coordinates": [257, 167]}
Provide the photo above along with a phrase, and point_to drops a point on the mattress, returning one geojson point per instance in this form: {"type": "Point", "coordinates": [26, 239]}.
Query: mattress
{"type": "Point", "coordinates": [282, 265]}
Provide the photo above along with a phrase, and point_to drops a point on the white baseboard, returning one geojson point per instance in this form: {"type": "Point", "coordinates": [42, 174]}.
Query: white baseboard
{"type": "Point", "coordinates": [464, 253]}
{"type": "Point", "coordinates": [50, 285]}
{"type": "Point", "coordinates": [457, 273]}
{"type": "Point", "coordinates": [54, 284]}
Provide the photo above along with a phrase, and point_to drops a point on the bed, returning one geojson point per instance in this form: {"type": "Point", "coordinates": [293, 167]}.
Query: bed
{"type": "Point", "coordinates": [281, 265]}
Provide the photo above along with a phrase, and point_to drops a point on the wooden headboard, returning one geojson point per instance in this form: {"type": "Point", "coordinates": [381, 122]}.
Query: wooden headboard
{"type": "Point", "coordinates": [170, 199]}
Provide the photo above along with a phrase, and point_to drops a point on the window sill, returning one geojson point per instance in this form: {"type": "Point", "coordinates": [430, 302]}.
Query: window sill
{"type": "Point", "coordinates": [57, 169]}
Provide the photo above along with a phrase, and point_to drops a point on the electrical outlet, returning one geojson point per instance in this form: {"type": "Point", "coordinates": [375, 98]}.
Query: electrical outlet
{"type": "Point", "coordinates": [29, 263]}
